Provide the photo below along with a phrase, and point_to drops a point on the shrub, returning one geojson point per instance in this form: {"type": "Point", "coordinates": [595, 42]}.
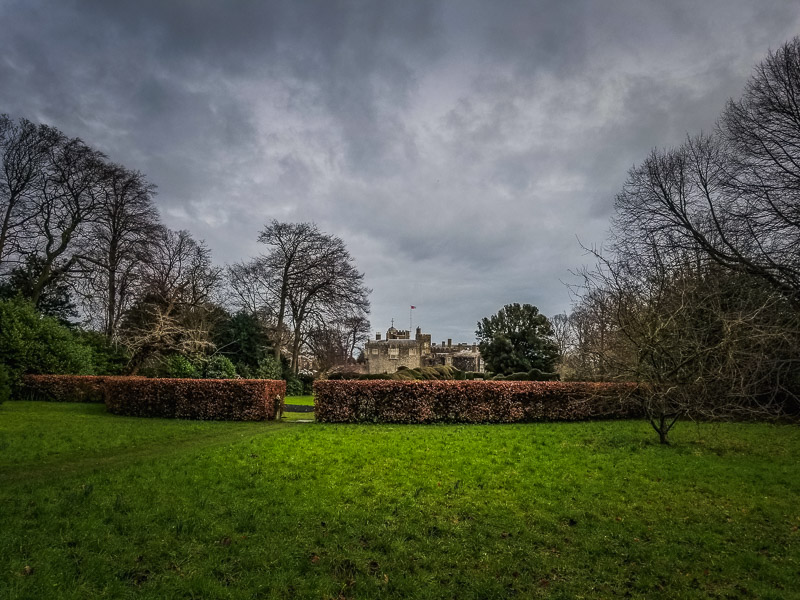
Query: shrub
{"type": "Point", "coordinates": [180, 367]}
{"type": "Point", "coordinates": [109, 358]}
{"type": "Point", "coordinates": [532, 375]}
{"type": "Point", "coordinates": [199, 399]}
{"type": "Point", "coordinates": [294, 387]}
{"type": "Point", "coordinates": [65, 388]}
{"type": "Point", "coordinates": [32, 343]}
{"type": "Point", "coordinates": [339, 375]}
{"type": "Point", "coordinates": [471, 401]}
{"type": "Point", "coordinates": [268, 368]}
{"type": "Point", "coordinates": [220, 367]}
{"type": "Point", "coordinates": [5, 384]}
{"type": "Point", "coordinates": [307, 379]}
{"type": "Point", "coordinates": [439, 372]}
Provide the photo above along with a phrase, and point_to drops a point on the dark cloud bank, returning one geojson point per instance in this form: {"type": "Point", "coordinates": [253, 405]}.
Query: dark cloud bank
{"type": "Point", "coordinates": [459, 148]}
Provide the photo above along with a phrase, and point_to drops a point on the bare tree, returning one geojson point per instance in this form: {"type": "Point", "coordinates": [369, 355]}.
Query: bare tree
{"type": "Point", "coordinates": [702, 273]}
{"type": "Point", "coordinates": [22, 154]}
{"type": "Point", "coordinates": [175, 310]}
{"type": "Point", "coordinates": [562, 336]}
{"type": "Point", "coordinates": [250, 287]}
{"type": "Point", "coordinates": [762, 136]}
{"type": "Point", "coordinates": [335, 342]}
{"type": "Point", "coordinates": [702, 341]}
{"type": "Point", "coordinates": [114, 252]}
{"type": "Point", "coordinates": [330, 284]}
{"type": "Point", "coordinates": [66, 198]}
{"type": "Point", "coordinates": [591, 354]}
{"type": "Point", "coordinates": [310, 275]}
{"type": "Point", "coordinates": [734, 195]}
{"type": "Point", "coordinates": [253, 288]}
{"type": "Point", "coordinates": [290, 246]}
{"type": "Point", "coordinates": [357, 328]}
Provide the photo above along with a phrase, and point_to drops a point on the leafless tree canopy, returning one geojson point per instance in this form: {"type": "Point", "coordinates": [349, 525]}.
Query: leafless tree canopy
{"type": "Point", "coordinates": [23, 159]}
{"type": "Point", "coordinates": [72, 221]}
{"type": "Point", "coordinates": [48, 196]}
{"type": "Point", "coordinates": [305, 282]}
{"type": "Point", "coordinates": [123, 235]}
{"type": "Point", "coordinates": [697, 295]}
{"type": "Point", "coordinates": [335, 342]}
{"type": "Point", "coordinates": [173, 313]}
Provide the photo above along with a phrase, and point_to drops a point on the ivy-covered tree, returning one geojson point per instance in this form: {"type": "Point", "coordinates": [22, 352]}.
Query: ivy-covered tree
{"type": "Point", "coordinates": [517, 339]}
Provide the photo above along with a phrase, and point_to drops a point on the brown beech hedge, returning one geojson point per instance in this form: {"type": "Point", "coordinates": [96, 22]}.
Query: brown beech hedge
{"type": "Point", "coordinates": [65, 388]}
{"type": "Point", "coordinates": [348, 401]}
{"type": "Point", "coordinates": [200, 399]}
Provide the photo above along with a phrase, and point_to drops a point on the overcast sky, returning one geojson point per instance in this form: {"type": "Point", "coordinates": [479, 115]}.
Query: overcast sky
{"type": "Point", "coordinates": [461, 149]}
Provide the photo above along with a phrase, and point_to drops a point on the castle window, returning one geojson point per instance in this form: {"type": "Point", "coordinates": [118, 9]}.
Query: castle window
{"type": "Point", "coordinates": [394, 352]}
{"type": "Point", "coordinates": [375, 351]}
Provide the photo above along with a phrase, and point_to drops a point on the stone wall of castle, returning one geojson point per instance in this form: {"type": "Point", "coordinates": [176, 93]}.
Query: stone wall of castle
{"type": "Point", "coordinates": [399, 350]}
{"type": "Point", "coordinates": [387, 356]}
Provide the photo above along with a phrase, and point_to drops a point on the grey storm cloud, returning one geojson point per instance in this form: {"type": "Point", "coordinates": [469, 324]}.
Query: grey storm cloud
{"type": "Point", "coordinates": [462, 149]}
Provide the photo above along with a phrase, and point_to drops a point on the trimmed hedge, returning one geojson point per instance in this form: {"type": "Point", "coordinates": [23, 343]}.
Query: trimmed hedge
{"type": "Point", "coordinates": [472, 401]}
{"type": "Point", "coordinates": [199, 399]}
{"type": "Point", "coordinates": [65, 388]}
{"type": "Point", "coordinates": [438, 372]}
{"type": "Point", "coordinates": [532, 375]}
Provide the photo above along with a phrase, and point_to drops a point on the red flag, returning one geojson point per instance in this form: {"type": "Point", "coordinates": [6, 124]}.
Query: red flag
{"type": "Point", "coordinates": [413, 307]}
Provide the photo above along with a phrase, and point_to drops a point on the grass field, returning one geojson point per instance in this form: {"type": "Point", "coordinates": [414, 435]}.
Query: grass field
{"type": "Point", "coordinates": [99, 506]}
{"type": "Point", "coordinates": [290, 416]}
{"type": "Point", "coordinates": [301, 400]}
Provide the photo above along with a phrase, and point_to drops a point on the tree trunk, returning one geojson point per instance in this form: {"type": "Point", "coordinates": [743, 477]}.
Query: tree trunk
{"type": "Point", "coordinates": [662, 434]}
{"type": "Point", "coordinates": [296, 350]}
{"type": "Point", "coordinates": [112, 304]}
{"type": "Point", "coordinates": [281, 312]}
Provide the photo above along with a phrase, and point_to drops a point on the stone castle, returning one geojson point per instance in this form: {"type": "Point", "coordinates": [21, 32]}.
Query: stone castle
{"type": "Point", "coordinates": [399, 350]}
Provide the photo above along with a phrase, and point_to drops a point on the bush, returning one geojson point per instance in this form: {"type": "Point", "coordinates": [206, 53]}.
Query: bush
{"type": "Point", "coordinates": [199, 399]}
{"type": "Point", "coordinates": [307, 379]}
{"type": "Point", "coordinates": [65, 388]}
{"type": "Point", "coordinates": [294, 387]}
{"type": "Point", "coordinates": [339, 375]}
{"type": "Point", "coordinates": [5, 384]}
{"type": "Point", "coordinates": [109, 358]}
{"type": "Point", "coordinates": [220, 367]}
{"type": "Point", "coordinates": [471, 401]}
{"type": "Point", "coordinates": [180, 367]}
{"type": "Point", "coordinates": [532, 375]}
{"type": "Point", "coordinates": [268, 368]}
{"type": "Point", "coordinates": [32, 343]}
{"type": "Point", "coordinates": [471, 375]}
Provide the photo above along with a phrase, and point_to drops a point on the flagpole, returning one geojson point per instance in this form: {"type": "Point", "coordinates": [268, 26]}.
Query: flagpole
{"type": "Point", "coordinates": [410, 320]}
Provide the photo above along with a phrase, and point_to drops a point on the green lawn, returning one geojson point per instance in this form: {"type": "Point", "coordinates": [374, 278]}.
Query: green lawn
{"type": "Point", "coordinates": [302, 400]}
{"type": "Point", "coordinates": [94, 505]}
{"type": "Point", "coordinates": [290, 417]}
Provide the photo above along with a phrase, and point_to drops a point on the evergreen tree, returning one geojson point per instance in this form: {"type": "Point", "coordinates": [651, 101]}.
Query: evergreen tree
{"type": "Point", "coordinates": [517, 339]}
